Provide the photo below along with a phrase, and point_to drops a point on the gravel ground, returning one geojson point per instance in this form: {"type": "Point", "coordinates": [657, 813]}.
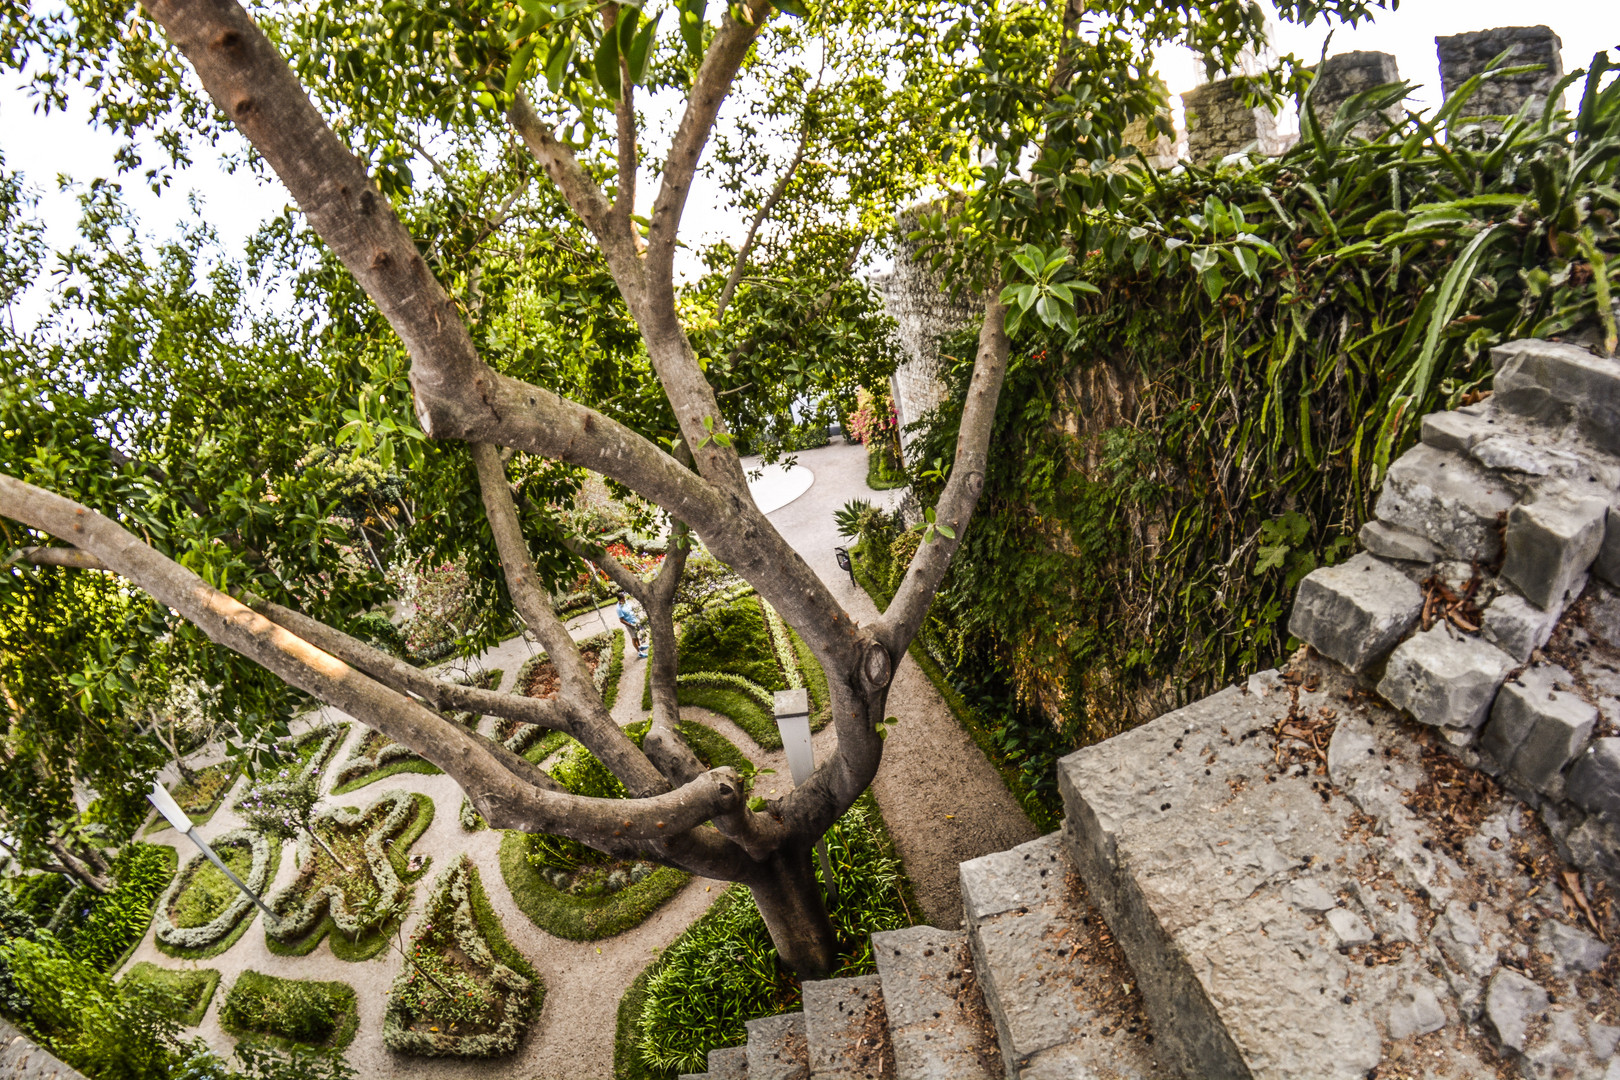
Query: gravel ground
{"type": "Point", "coordinates": [942, 800]}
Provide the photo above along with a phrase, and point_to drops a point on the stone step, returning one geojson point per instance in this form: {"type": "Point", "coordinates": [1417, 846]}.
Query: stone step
{"type": "Point", "coordinates": [847, 1029]}
{"type": "Point", "coordinates": [777, 1048]}
{"type": "Point", "coordinates": [938, 1025]}
{"type": "Point", "coordinates": [730, 1063]}
{"type": "Point", "coordinates": [1064, 1002]}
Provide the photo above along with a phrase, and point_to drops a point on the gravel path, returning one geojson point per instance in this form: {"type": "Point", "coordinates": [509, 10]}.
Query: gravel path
{"type": "Point", "coordinates": [942, 800]}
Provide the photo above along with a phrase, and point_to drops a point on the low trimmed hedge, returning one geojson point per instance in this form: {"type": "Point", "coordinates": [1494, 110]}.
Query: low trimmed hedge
{"type": "Point", "coordinates": [199, 813]}
{"type": "Point", "coordinates": [190, 991]}
{"type": "Point", "coordinates": [300, 1012]}
{"type": "Point", "coordinates": [411, 764]}
{"type": "Point", "coordinates": [579, 918]}
{"type": "Point", "coordinates": [227, 927]}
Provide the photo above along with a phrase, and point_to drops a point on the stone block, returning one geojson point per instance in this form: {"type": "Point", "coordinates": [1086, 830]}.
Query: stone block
{"type": "Point", "coordinates": [933, 1004]}
{"type": "Point", "coordinates": [1517, 626]}
{"type": "Point", "coordinates": [1445, 678]}
{"type": "Point", "coordinates": [1419, 1014]}
{"type": "Point", "coordinates": [1447, 498]}
{"type": "Point", "coordinates": [1554, 382]}
{"type": "Point", "coordinates": [1355, 612]}
{"type": "Point", "coordinates": [1550, 544]}
{"type": "Point", "coordinates": [1455, 431]}
{"type": "Point", "coordinates": [1511, 1003]}
{"type": "Point", "coordinates": [1463, 56]}
{"type": "Point", "coordinates": [1219, 123]}
{"type": "Point", "coordinates": [1536, 729]}
{"type": "Point", "coordinates": [777, 1048]}
{"type": "Point", "coordinates": [1394, 542]}
{"type": "Point", "coordinates": [730, 1063]}
{"type": "Point", "coordinates": [1594, 779]}
{"type": "Point", "coordinates": [846, 1027]}
{"type": "Point", "coordinates": [1571, 948]}
{"type": "Point", "coordinates": [1607, 565]}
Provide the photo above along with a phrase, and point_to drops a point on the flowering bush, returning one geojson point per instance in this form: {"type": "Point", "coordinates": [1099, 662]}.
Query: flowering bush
{"type": "Point", "coordinates": [443, 601]}
{"type": "Point", "coordinates": [170, 932]}
{"type": "Point", "coordinates": [456, 998]}
{"type": "Point", "coordinates": [874, 418]}
{"type": "Point", "coordinates": [357, 901]}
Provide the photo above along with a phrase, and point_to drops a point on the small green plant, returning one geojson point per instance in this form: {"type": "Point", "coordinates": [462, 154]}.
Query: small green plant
{"type": "Point", "coordinates": [320, 1014]}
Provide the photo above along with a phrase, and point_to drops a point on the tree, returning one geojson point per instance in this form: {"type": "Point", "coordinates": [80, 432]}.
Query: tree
{"type": "Point", "coordinates": [283, 806]}
{"type": "Point", "coordinates": [1074, 79]}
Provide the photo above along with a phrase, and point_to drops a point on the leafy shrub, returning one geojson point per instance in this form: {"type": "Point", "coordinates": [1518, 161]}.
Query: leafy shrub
{"type": "Point", "coordinates": [724, 971]}
{"type": "Point", "coordinates": [186, 994]}
{"type": "Point", "coordinates": [732, 638]}
{"type": "Point", "coordinates": [297, 1010]}
{"type": "Point", "coordinates": [104, 928]}
{"type": "Point", "coordinates": [376, 629]}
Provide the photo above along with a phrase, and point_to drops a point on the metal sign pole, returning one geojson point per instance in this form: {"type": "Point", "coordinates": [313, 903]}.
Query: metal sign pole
{"type": "Point", "coordinates": [793, 721]}
{"type": "Point", "coordinates": [160, 798]}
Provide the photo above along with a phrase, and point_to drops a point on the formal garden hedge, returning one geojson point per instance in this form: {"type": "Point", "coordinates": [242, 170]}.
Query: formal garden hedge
{"type": "Point", "coordinates": [724, 971]}
{"type": "Point", "coordinates": [311, 750]}
{"type": "Point", "coordinates": [188, 992]}
{"type": "Point", "coordinates": [575, 892]}
{"type": "Point", "coordinates": [202, 913]}
{"type": "Point", "coordinates": [290, 1012]}
{"type": "Point", "coordinates": [202, 794]}
{"type": "Point", "coordinates": [603, 653]}
{"type": "Point", "coordinates": [357, 904]}
{"type": "Point", "coordinates": [376, 757]}
{"type": "Point", "coordinates": [464, 992]}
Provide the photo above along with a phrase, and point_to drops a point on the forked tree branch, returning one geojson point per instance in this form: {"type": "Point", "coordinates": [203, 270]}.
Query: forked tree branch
{"type": "Point", "coordinates": [493, 777]}
{"type": "Point", "coordinates": [69, 557]}
{"type": "Point", "coordinates": [778, 190]}
{"type": "Point", "coordinates": [900, 622]}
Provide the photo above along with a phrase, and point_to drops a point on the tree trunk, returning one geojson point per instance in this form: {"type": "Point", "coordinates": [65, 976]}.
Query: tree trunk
{"type": "Point", "coordinates": [79, 868]}
{"type": "Point", "coordinates": [790, 900]}
{"type": "Point", "coordinates": [313, 835]}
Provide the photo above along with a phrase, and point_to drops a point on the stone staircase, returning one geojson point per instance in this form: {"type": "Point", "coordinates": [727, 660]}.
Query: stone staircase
{"type": "Point", "coordinates": [1398, 857]}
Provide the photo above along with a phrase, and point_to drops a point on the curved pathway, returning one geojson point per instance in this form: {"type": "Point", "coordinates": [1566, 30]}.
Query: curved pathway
{"type": "Point", "coordinates": [943, 801]}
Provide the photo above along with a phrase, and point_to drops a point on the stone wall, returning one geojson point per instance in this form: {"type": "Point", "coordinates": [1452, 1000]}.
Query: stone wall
{"type": "Point", "coordinates": [916, 298]}
{"type": "Point", "coordinates": [1485, 604]}
{"type": "Point", "coordinates": [1343, 76]}
{"type": "Point", "coordinates": [1219, 123]}
{"type": "Point", "coordinates": [1463, 56]}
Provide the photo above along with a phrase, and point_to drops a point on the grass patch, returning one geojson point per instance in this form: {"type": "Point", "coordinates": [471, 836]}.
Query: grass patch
{"type": "Point", "coordinates": [610, 688]}
{"type": "Point", "coordinates": [290, 1012]}
{"type": "Point", "coordinates": [393, 768]}
{"type": "Point", "coordinates": [208, 952]}
{"type": "Point", "coordinates": [1045, 814]}
{"type": "Point", "coordinates": [733, 638]}
{"type": "Point", "coordinates": [580, 918]}
{"type": "Point", "coordinates": [546, 745]}
{"type": "Point", "coordinates": [189, 992]}
{"type": "Point", "coordinates": [723, 971]}
{"type": "Point", "coordinates": [712, 748]}
{"type": "Point", "coordinates": [815, 681]}
{"type": "Point", "coordinates": [737, 706]}
{"type": "Point", "coordinates": [880, 475]}
{"type": "Point", "coordinates": [375, 941]}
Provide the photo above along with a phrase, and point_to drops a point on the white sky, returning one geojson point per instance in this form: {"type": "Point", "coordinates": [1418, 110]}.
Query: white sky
{"type": "Point", "coordinates": [65, 145]}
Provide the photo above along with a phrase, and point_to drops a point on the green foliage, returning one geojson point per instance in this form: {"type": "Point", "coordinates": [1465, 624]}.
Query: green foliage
{"type": "Point", "coordinates": [223, 945]}
{"type": "Point", "coordinates": [102, 929]}
{"type": "Point", "coordinates": [187, 993]}
{"type": "Point", "coordinates": [723, 971]}
{"type": "Point", "coordinates": [733, 638]}
{"type": "Point", "coordinates": [884, 471]}
{"type": "Point", "coordinates": [578, 918]}
{"type": "Point", "coordinates": [210, 892]}
{"type": "Point", "coordinates": [318, 1014]}
{"type": "Point", "coordinates": [1275, 333]}
{"type": "Point", "coordinates": [392, 768]}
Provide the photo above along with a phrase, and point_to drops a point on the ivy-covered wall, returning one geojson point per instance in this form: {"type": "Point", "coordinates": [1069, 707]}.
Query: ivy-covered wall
{"type": "Point", "coordinates": [1265, 338]}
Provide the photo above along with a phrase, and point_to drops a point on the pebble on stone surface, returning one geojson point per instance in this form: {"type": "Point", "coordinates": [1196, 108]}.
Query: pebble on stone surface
{"type": "Point", "coordinates": [1571, 948]}
{"type": "Point", "coordinates": [1445, 678]}
{"type": "Point", "coordinates": [1348, 927]}
{"type": "Point", "coordinates": [1419, 1014]}
{"type": "Point", "coordinates": [1511, 1003]}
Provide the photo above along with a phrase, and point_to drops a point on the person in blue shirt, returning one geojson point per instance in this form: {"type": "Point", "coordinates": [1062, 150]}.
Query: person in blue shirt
{"type": "Point", "coordinates": [632, 624]}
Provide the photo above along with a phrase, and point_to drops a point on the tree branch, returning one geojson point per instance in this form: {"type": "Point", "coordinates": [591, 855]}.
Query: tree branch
{"type": "Point", "coordinates": [900, 622]}
{"type": "Point", "coordinates": [595, 727]}
{"type": "Point", "coordinates": [476, 763]}
{"type": "Point", "coordinates": [54, 556]}
{"type": "Point", "coordinates": [764, 211]}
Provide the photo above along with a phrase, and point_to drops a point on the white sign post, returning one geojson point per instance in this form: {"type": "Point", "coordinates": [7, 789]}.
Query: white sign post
{"type": "Point", "coordinates": [160, 798]}
{"type": "Point", "coordinates": [793, 721]}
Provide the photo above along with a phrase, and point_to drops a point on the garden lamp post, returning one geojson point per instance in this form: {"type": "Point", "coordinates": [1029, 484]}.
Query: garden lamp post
{"type": "Point", "coordinates": [159, 797]}
{"type": "Point", "coordinates": [844, 563]}
{"type": "Point", "coordinates": [793, 721]}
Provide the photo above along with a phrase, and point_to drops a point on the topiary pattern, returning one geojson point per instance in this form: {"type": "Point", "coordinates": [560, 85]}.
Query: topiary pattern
{"type": "Point", "coordinates": [169, 930]}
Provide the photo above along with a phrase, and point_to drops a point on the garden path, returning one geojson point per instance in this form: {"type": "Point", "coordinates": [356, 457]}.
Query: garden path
{"type": "Point", "coordinates": [943, 801]}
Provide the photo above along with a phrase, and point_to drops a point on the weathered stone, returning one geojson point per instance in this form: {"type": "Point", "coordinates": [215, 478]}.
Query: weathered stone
{"type": "Point", "coordinates": [1356, 611]}
{"type": "Point", "coordinates": [1555, 382]}
{"type": "Point", "coordinates": [1607, 565]}
{"type": "Point", "coordinates": [23, 1059]}
{"type": "Point", "coordinates": [1394, 542]}
{"type": "Point", "coordinates": [1344, 75]}
{"type": "Point", "coordinates": [1309, 895]}
{"type": "Point", "coordinates": [1445, 678]}
{"type": "Point", "coordinates": [846, 1027]}
{"type": "Point", "coordinates": [1550, 544]}
{"type": "Point", "coordinates": [1603, 1039]}
{"type": "Point", "coordinates": [1456, 431]}
{"type": "Point", "coordinates": [730, 1063]}
{"type": "Point", "coordinates": [1571, 948]}
{"type": "Point", "coordinates": [777, 1048]}
{"type": "Point", "coordinates": [1536, 728]}
{"type": "Point", "coordinates": [1447, 498]}
{"type": "Point", "coordinates": [1348, 927]}
{"type": "Point", "coordinates": [1594, 779]}
{"type": "Point", "coordinates": [933, 1004]}
{"type": "Point", "coordinates": [1510, 1004]}
{"type": "Point", "coordinates": [1021, 922]}
{"type": "Point", "coordinates": [1462, 56]}
{"type": "Point", "coordinates": [1517, 626]}
{"type": "Point", "coordinates": [1219, 123]}
{"type": "Point", "coordinates": [1419, 1014]}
